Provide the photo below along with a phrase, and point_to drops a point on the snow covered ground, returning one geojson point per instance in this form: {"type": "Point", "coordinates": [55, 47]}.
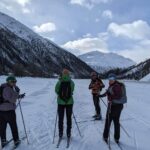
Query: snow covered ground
{"type": "Point", "coordinates": [40, 107]}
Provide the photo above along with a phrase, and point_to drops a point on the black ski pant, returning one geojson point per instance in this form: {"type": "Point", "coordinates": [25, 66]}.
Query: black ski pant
{"type": "Point", "coordinates": [61, 111]}
{"type": "Point", "coordinates": [8, 117]}
{"type": "Point", "coordinates": [113, 114]}
{"type": "Point", "coordinates": [96, 102]}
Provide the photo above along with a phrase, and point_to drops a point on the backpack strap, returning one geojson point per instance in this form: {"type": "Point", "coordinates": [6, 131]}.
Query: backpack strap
{"type": "Point", "coordinates": [2, 100]}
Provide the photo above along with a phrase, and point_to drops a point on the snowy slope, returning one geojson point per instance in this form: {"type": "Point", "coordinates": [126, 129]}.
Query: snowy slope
{"type": "Point", "coordinates": [146, 78]}
{"type": "Point", "coordinates": [40, 107]}
{"type": "Point", "coordinates": [138, 71]}
{"type": "Point", "coordinates": [106, 60]}
{"type": "Point", "coordinates": [20, 48]}
{"type": "Point", "coordinates": [16, 27]}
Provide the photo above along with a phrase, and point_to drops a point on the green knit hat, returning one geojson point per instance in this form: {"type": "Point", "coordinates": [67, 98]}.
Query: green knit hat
{"type": "Point", "coordinates": [11, 78]}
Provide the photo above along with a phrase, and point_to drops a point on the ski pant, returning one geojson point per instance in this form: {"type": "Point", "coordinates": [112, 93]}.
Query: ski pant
{"type": "Point", "coordinates": [8, 117]}
{"type": "Point", "coordinates": [113, 114]}
{"type": "Point", "coordinates": [61, 111]}
{"type": "Point", "coordinates": [96, 104]}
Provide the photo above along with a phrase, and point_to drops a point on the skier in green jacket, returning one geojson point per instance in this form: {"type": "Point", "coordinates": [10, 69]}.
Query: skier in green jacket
{"type": "Point", "coordinates": [64, 89]}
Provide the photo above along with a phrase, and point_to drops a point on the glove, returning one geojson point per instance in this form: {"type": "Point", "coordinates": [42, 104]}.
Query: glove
{"type": "Point", "coordinates": [100, 95]}
{"type": "Point", "coordinates": [22, 95]}
{"type": "Point", "coordinates": [17, 89]}
{"type": "Point", "coordinates": [103, 95]}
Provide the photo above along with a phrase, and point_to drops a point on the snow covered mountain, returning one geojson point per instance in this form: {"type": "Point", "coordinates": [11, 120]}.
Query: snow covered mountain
{"type": "Point", "coordinates": [139, 71]}
{"type": "Point", "coordinates": [105, 61]}
{"type": "Point", "coordinates": [136, 72]}
{"type": "Point", "coordinates": [146, 78]}
{"type": "Point", "coordinates": [26, 53]}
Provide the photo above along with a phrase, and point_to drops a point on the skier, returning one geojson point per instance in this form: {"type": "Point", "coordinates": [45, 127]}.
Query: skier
{"type": "Point", "coordinates": [115, 106]}
{"type": "Point", "coordinates": [9, 93]}
{"type": "Point", "coordinates": [96, 86]}
{"type": "Point", "coordinates": [64, 89]}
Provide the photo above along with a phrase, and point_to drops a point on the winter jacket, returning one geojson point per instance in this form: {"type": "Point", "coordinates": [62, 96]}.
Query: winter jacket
{"type": "Point", "coordinates": [96, 86]}
{"type": "Point", "coordinates": [64, 78]}
{"type": "Point", "coordinates": [114, 92]}
{"type": "Point", "coordinates": [10, 97]}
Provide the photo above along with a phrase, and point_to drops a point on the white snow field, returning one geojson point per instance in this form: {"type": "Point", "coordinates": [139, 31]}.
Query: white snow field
{"type": "Point", "coordinates": [39, 108]}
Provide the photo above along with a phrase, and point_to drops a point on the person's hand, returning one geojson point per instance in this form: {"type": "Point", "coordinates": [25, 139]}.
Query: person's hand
{"type": "Point", "coordinates": [100, 95]}
{"type": "Point", "coordinates": [22, 95]}
{"type": "Point", "coordinates": [17, 89]}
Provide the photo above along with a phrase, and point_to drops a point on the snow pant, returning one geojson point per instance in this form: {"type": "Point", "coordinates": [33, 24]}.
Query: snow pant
{"type": "Point", "coordinates": [113, 113]}
{"type": "Point", "coordinates": [96, 104]}
{"type": "Point", "coordinates": [8, 117]}
{"type": "Point", "coordinates": [61, 111]}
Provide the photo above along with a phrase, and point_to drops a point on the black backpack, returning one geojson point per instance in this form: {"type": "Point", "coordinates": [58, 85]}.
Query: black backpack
{"type": "Point", "coordinates": [65, 91]}
{"type": "Point", "coordinates": [1, 94]}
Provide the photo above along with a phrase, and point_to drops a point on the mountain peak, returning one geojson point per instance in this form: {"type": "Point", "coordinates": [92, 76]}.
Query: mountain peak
{"type": "Point", "coordinates": [106, 60]}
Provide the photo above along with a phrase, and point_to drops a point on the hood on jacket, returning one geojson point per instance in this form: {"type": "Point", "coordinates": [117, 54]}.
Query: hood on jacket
{"type": "Point", "coordinates": [65, 78]}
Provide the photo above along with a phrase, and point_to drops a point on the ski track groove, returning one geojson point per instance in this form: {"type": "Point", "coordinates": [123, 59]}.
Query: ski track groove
{"type": "Point", "coordinates": [135, 141]}
{"type": "Point", "coordinates": [144, 122]}
{"type": "Point", "coordinates": [43, 138]}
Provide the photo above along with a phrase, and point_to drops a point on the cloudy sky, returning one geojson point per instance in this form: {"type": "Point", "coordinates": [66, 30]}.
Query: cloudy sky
{"type": "Point", "coordinates": [80, 26]}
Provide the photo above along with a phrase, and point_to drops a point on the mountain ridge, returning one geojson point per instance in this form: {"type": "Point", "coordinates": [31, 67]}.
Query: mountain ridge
{"type": "Point", "coordinates": [105, 61]}
{"type": "Point", "coordinates": [27, 53]}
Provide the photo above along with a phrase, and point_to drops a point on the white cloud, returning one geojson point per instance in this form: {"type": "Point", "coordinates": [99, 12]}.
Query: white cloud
{"type": "Point", "coordinates": [15, 6]}
{"type": "Point", "coordinates": [138, 50]}
{"type": "Point", "coordinates": [22, 2]}
{"type": "Point", "coordinates": [85, 45]}
{"type": "Point", "coordinates": [5, 6]}
{"type": "Point", "coordinates": [44, 28]}
{"type": "Point", "coordinates": [26, 11]}
{"type": "Point", "coordinates": [88, 3]}
{"type": "Point", "coordinates": [107, 14]}
{"type": "Point", "coordinates": [136, 30]}
{"type": "Point", "coordinates": [103, 35]}
{"type": "Point", "coordinates": [88, 35]}
{"type": "Point", "coordinates": [139, 31]}
{"type": "Point", "coordinates": [138, 53]}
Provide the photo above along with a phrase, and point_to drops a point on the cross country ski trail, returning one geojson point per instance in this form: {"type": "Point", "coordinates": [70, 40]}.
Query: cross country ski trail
{"type": "Point", "coordinates": [39, 108]}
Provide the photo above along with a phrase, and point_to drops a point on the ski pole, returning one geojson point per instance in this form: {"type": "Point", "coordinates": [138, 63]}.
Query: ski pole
{"type": "Point", "coordinates": [55, 126]}
{"type": "Point", "coordinates": [76, 124]}
{"type": "Point", "coordinates": [125, 131]}
{"type": "Point", "coordinates": [23, 121]}
{"type": "Point", "coordinates": [120, 123]}
{"type": "Point", "coordinates": [0, 143]}
{"type": "Point", "coordinates": [109, 111]}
